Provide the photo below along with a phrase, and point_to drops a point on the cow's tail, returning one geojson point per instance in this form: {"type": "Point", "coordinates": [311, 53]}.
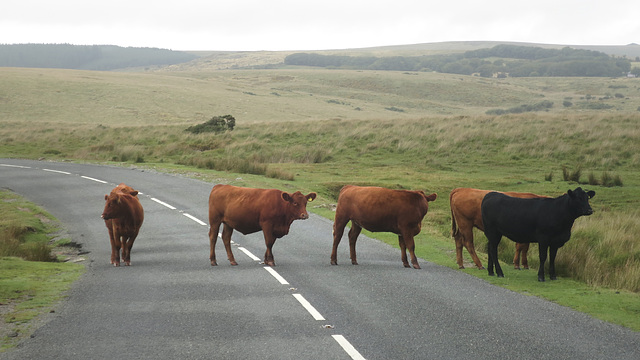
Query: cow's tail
{"type": "Point", "coordinates": [454, 225]}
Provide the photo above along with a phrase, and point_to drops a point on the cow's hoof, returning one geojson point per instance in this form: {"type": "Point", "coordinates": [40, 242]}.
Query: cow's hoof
{"type": "Point", "coordinates": [491, 274]}
{"type": "Point", "coordinates": [214, 263]}
{"type": "Point", "coordinates": [353, 262]}
{"type": "Point", "coordinates": [541, 279]}
{"type": "Point", "coordinates": [416, 266]}
{"type": "Point", "coordinates": [461, 267]}
{"type": "Point", "coordinates": [482, 268]}
{"type": "Point", "coordinates": [270, 263]}
{"type": "Point", "coordinates": [334, 262]}
{"type": "Point", "coordinates": [233, 263]}
{"type": "Point", "coordinates": [526, 268]}
{"type": "Point", "coordinates": [553, 278]}
{"type": "Point", "coordinates": [500, 275]}
{"type": "Point", "coordinates": [406, 265]}
{"type": "Point", "coordinates": [128, 263]}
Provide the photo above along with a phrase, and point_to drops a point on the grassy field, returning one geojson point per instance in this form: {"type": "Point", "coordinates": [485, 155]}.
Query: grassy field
{"type": "Point", "coordinates": [316, 130]}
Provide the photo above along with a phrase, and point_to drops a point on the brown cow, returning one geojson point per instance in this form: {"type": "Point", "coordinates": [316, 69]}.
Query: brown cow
{"type": "Point", "coordinates": [465, 214]}
{"type": "Point", "coordinates": [380, 210]}
{"type": "Point", "coordinates": [123, 215]}
{"type": "Point", "coordinates": [251, 210]}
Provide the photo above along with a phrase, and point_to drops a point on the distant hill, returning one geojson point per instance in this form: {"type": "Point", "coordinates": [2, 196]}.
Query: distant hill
{"type": "Point", "coordinates": [87, 57]}
{"type": "Point", "coordinates": [217, 60]}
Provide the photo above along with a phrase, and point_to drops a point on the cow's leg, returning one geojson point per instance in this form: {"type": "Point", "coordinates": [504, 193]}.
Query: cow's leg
{"type": "Point", "coordinates": [468, 244]}
{"type": "Point", "coordinates": [464, 237]}
{"type": "Point", "coordinates": [213, 238]}
{"type": "Point", "coordinates": [127, 245]}
{"type": "Point", "coordinates": [410, 244]}
{"type": "Point", "coordinates": [553, 251]}
{"type": "Point", "coordinates": [338, 231]}
{"type": "Point", "coordinates": [112, 241]}
{"type": "Point", "coordinates": [269, 240]}
{"type": "Point", "coordinates": [353, 237]}
{"type": "Point", "coordinates": [516, 256]}
{"type": "Point", "coordinates": [115, 248]}
{"type": "Point", "coordinates": [523, 255]}
{"type": "Point", "coordinates": [403, 251]}
{"type": "Point", "coordinates": [543, 258]}
{"type": "Point", "coordinates": [226, 240]}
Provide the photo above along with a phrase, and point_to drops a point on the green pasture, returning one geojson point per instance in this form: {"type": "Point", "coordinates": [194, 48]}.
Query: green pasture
{"type": "Point", "coordinates": [317, 130]}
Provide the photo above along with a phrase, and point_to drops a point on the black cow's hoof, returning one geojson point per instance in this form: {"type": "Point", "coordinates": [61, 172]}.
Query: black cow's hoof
{"type": "Point", "coordinates": [553, 278]}
{"type": "Point", "coordinates": [541, 279]}
{"type": "Point", "coordinates": [500, 276]}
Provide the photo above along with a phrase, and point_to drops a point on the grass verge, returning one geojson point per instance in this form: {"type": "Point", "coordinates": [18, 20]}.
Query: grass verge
{"type": "Point", "coordinates": [29, 289]}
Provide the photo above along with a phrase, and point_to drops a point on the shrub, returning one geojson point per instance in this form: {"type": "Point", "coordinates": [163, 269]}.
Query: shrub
{"type": "Point", "coordinates": [571, 175]}
{"type": "Point", "coordinates": [215, 124]}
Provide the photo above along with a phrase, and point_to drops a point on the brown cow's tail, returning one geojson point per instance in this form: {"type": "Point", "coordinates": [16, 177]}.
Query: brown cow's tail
{"type": "Point", "coordinates": [454, 225]}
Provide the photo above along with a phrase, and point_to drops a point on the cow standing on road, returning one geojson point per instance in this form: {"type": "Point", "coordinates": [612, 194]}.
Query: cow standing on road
{"type": "Point", "coordinates": [547, 222]}
{"type": "Point", "coordinates": [380, 210]}
{"type": "Point", "coordinates": [123, 215]}
{"type": "Point", "coordinates": [250, 210]}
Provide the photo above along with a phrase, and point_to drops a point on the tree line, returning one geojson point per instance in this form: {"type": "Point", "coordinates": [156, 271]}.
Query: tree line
{"type": "Point", "coordinates": [501, 60]}
{"type": "Point", "coordinates": [87, 57]}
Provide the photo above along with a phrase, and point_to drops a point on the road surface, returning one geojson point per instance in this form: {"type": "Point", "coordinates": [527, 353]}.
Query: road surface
{"type": "Point", "coordinates": [173, 304]}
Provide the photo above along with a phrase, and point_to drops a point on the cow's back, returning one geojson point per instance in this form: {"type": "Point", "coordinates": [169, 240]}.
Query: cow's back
{"type": "Point", "coordinates": [378, 209]}
{"type": "Point", "coordinates": [519, 219]}
{"type": "Point", "coordinates": [243, 208]}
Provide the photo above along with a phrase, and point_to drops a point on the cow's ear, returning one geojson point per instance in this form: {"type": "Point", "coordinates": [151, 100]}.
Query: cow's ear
{"type": "Point", "coordinates": [311, 197]}
{"type": "Point", "coordinates": [106, 197]}
{"type": "Point", "coordinates": [286, 197]}
{"type": "Point", "coordinates": [432, 197]}
{"type": "Point", "coordinates": [591, 193]}
{"type": "Point", "coordinates": [134, 193]}
{"type": "Point", "coordinates": [570, 193]}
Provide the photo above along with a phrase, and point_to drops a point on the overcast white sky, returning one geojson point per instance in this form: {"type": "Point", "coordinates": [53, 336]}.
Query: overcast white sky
{"type": "Point", "coordinates": [316, 25]}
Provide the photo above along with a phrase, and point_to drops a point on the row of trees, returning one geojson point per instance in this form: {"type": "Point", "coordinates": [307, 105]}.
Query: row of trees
{"type": "Point", "coordinates": [502, 59]}
{"type": "Point", "coordinates": [87, 57]}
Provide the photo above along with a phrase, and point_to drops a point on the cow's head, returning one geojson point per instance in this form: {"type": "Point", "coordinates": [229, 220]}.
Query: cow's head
{"type": "Point", "coordinates": [113, 208]}
{"type": "Point", "coordinates": [579, 200]}
{"type": "Point", "coordinates": [297, 204]}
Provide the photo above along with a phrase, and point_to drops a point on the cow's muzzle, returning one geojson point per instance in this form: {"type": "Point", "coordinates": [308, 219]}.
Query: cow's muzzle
{"type": "Point", "coordinates": [304, 216]}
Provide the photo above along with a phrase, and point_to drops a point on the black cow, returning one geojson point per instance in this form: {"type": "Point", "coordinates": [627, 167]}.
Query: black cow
{"type": "Point", "coordinates": [546, 221]}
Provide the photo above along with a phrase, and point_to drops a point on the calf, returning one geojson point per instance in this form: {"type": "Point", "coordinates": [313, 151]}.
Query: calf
{"type": "Point", "coordinates": [123, 215]}
{"type": "Point", "coordinates": [465, 215]}
{"type": "Point", "coordinates": [547, 222]}
{"type": "Point", "coordinates": [380, 210]}
{"type": "Point", "coordinates": [251, 210]}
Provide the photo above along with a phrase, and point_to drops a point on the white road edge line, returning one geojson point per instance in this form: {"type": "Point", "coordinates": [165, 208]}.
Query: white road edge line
{"type": "Point", "coordinates": [57, 171]}
{"type": "Point", "coordinates": [249, 254]}
{"type": "Point", "coordinates": [194, 219]}
{"type": "Point", "coordinates": [16, 166]}
{"type": "Point", "coordinates": [276, 275]}
{"type": "Point", "coordinates": [92, 179]}
{"type": "Point", "coordinates": [307, 305]}
{"type": "Point", "coordinates": [163, 203]}
{"type": "Point", "coordinates": [346, 345]}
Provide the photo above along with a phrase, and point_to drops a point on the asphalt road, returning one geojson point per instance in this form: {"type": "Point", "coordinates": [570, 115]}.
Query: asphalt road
{"type": "Point", "coordinates": [173, 304]}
